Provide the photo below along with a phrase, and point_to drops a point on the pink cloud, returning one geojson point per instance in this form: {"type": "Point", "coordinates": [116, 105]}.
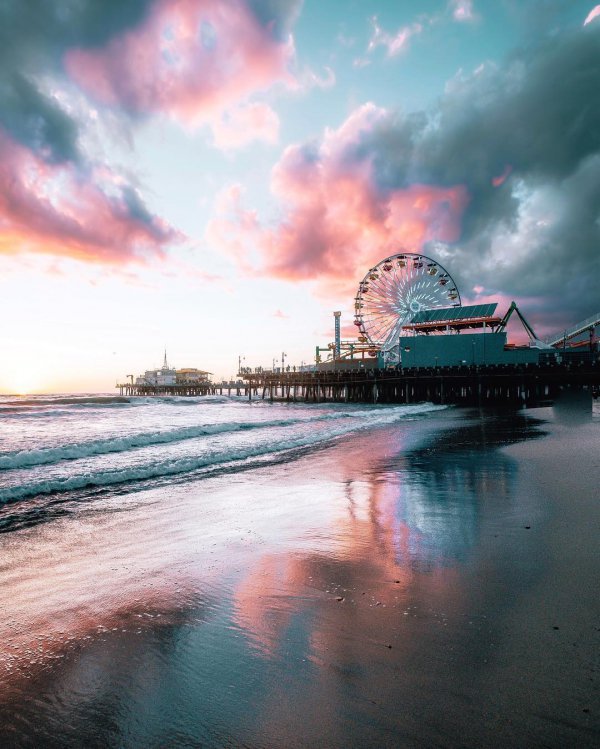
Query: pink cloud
{"type": "Point", "coordinates": [335, 220]}
{"type": "Point", "coordinates": [191, 59]}
{"type": "Point", "coordinates": [52, 209]}
{"type": "Point", "coordinates": [235, 230]}
{"type": "Point", "coordinates": [309, 79]}
{"type": "Point", "coordinates": [280, 315]}
{"type": "Point", "coordinates": [501, 178]}
{"type": "Point", "coordinates": [594, 13]}
{"type": "Point", "coordinates": [462, 10]}
{"type": "Point", "coordinates": [240, 126]}
{"type": "Point", "coordinates": [346, 331]}
{"type": "Point", "coordinates": [394, 43]}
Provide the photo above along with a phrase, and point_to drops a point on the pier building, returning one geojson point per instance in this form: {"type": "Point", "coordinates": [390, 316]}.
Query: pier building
{"type": "Point", "coordinates": [449, 336]}
{"type": "Point", "coordinates": [191, 376]}
{"type": "Point", "coordinates": [163, 376]}
{"type": "Point", "coordinates": [169, 381]}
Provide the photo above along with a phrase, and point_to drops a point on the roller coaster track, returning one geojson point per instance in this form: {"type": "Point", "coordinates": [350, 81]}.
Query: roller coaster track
{"type": "Point", "coordinates": [589, 323]}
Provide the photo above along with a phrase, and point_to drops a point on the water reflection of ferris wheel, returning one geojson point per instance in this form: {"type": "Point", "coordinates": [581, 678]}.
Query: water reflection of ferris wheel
{"type": "Point", "coordinates": [394, 291]}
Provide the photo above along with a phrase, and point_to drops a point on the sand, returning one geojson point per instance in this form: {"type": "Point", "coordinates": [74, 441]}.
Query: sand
{"type": "Point", "coordinates": [433, 584]}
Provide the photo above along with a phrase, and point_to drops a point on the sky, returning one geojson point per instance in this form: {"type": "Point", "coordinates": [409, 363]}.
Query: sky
{"type": "Point", "coordinates": [215, 177]}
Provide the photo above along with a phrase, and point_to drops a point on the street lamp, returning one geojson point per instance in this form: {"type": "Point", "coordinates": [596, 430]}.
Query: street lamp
{"type": "Point", "coordinates": [240, 360]}
{"type": "Point", "coordinates": [283, 355]}
{"type": "Point", "coordinates": [274, 363]}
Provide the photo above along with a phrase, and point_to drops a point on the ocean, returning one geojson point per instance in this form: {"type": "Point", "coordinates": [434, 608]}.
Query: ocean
{"type": "Point", "coordinates": [93, 443]}
{"type": "Point", "coordinates": [209, 572]}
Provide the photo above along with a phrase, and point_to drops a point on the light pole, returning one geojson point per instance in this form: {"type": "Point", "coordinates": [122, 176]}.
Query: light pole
{"type": "Point", "coordinates": [283, 355]}
{"type": "Point", "coordinates": [274, 362]}
{"type": "Point", "coordinates": [240, 360]}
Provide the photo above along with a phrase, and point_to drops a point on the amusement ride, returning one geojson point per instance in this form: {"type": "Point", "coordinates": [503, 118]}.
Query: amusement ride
{"type": "Point", "coordinates": [393, 292]}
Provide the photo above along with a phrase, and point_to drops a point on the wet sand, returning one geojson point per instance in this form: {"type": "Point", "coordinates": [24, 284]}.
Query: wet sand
{"type": "Point", "coordinates": [431, 584]}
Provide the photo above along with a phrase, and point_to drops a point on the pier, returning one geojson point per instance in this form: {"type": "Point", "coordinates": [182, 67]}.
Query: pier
{"type": "Point", "coordinates": [195, 389]}
{"type": "Point", "coordinates": [525, 384]}
{"type": "Point", "coordinates": [522, 384]}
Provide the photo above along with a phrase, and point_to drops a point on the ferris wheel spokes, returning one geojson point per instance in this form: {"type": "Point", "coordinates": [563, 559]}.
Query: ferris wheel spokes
{"type": "Point", "coordinates": [394, 290]}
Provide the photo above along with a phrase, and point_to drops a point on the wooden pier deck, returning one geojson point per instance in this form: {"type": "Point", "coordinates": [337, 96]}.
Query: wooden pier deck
{"type": "Point", "coordinates": [524, 384]}
{"type": "Point", "coordinates": [195, 389]}
{"type": "Point", "coordinates": [527, 384]}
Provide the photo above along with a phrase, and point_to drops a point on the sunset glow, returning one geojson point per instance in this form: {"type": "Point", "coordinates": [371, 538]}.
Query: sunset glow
{"type": "Point", "coordinates": [216, 176]}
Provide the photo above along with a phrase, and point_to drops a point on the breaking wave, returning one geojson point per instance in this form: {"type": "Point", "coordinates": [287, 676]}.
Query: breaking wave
{"type": "Point", "coordinates": [110, 477]}
{"type": "Point", "coordinates": [49, 455]}
{"type": "Point", "coordinates": [71, 400]}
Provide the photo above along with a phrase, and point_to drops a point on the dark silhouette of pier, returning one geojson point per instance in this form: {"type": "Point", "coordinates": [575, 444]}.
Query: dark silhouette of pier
{"type": "Point", "coordinates": [525, 384]}
{"type": "Point", "coordinates": [522, 384]}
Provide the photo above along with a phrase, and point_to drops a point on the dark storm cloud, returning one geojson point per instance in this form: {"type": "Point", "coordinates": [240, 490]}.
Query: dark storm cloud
{"type": "Point", "coordinates": [532, 126]}
{"type": "Point", "coordinates": [33, 38]}
{"type": "Point", "coordinates": [39, 29]}
{"type": "Point", "coordinates": [36, 120]}
{"type": "Point", "coordinates": [136, 208]}
{"type": "Point", "coordinates": [280, 15]}
{"type": "Point", "coordinates": [44, 169]}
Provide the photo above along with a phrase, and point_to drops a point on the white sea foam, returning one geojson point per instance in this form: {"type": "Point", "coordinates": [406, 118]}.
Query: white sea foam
{"type": "Point", "coordinates": [364, 420]}
{"type": "Point", "coordinates": [46, 456]}
{"type": "Point", "coordinates": [70, 400]}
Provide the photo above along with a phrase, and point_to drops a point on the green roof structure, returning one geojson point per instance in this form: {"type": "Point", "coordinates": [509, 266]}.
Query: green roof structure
{"type": "Point", "coordinates": [454, 314]}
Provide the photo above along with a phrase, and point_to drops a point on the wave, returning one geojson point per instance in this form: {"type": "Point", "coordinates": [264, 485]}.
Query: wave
{"type": "Point", "coordinates": [64, 404]}
{"type": "Point", "coordinates": [70, 400]}
{"type": "Point", "coordinates": [188, 465]}
{"type": "Point", "coordinates": [49, 455]}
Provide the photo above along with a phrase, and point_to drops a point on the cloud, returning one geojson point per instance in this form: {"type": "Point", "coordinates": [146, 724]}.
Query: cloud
{"type": "Point", "coordinates": [241, 125]}
{"type": "Point", "coordinates": [594, 13]}
{"type": "Point", "coordinates": [462, 10]}
{"type": "Point", "coordinates": [336, 218]}
{"type": "Point", "coordinates": [394, 43]}
{"type": "Point", "coordinates": [55, 198]}
{"type": "Point", "coordinates": [399, 41]}
{"type": "Point", "coordinates": [194, 61]}
{"type": "Point", "coordinates": [384, 181]}
{"type": "Point", "coordinates": [309, 79]}
{"type": "Point", "coordinates": [360, 62]}
{"type": "Point", "coordinates": [235, 230]}
{"type": "Point", "coordinates": [501, 178]}
{"type": "Point", "coordinates": [51, 208]}
{"type": "Point", "coordinates": [191, 60]}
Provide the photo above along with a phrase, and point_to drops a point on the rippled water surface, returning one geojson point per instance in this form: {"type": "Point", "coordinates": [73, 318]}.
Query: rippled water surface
{"type": "Point", "coordinates": [213, 573]}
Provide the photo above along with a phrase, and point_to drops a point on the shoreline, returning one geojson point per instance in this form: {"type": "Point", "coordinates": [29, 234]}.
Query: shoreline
{"type": "Point", "coordinates": [382, 590]}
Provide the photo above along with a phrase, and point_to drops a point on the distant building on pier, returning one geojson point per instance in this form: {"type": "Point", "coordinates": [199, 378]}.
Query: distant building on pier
{"type": "Point", "coordinates": [190, 376]}
{"type": "Point", "coordinates": [170, 376]}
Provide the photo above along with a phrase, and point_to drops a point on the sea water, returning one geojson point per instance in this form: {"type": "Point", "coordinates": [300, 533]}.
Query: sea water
{"type": "Point", "coordinates": [56, 444]}
{"type": "Point", "coordinates": [212, 572]}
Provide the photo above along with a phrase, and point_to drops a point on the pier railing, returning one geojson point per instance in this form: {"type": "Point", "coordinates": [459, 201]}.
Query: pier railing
{"type": "Point", "coordinates": [525, 384]}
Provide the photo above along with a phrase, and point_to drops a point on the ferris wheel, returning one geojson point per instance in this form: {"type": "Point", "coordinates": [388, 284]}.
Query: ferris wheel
{"type": "Point", "coordinates": [392, 293]}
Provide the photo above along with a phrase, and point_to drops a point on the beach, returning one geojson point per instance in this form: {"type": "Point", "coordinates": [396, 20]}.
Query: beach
{"type": "Point", "coordinates": [376, 577]}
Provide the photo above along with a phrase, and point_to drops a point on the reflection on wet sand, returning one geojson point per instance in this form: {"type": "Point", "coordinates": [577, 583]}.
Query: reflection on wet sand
{"type": "Point", "coordinates": [355, 597]}
{"type": "Point", "coordinates": [366, 614]}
